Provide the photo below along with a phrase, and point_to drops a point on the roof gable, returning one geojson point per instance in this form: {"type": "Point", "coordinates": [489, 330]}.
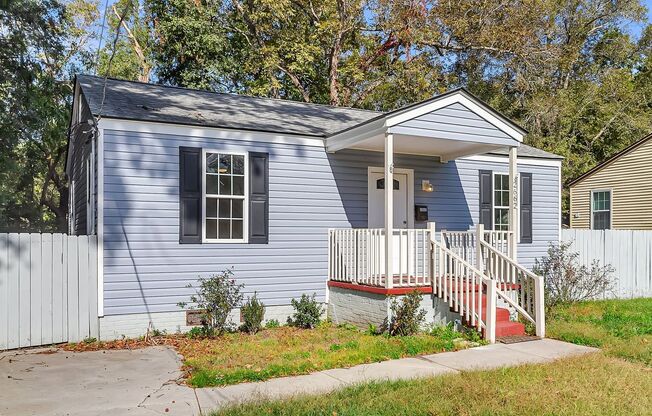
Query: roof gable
{"type": "Point", "coordinates": [631, 148]}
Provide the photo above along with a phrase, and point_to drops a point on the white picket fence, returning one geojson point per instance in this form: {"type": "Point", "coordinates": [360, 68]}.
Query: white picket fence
{"type": "Point", "coordinates": [48, 289]}
{"type": "Point", "coordinates": [628, 251]}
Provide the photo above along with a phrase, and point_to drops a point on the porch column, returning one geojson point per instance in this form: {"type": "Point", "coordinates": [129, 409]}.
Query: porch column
{"type": "Point", "coordinates": [513, 202]}
{"type": "Point", "coordinates": [389, 210]}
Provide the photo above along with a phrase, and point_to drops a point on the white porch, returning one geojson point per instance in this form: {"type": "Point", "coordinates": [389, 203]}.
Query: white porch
{"type": "Point", "coordinates": [470, 269]}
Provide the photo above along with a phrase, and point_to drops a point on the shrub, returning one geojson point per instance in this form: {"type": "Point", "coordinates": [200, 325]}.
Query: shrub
{"type": "Point", "coordinates": [566, 281]}
{"type": "Point", "coordinates": [406, 317]}
{"type": "Point", "coordinates": [307, 312]}
{"type": "Point", "coordinates": [272, 323]}
{"type": "Point", "coordinates": [253, 312]}
{"type": "Point", "coordinates": [199, 332]}
{"type": "Point", "coordinates": [216, 297]}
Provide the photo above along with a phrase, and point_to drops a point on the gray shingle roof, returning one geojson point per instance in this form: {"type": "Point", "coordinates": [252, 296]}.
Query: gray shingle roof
{"type": "Point", "coordinates": [131, 100]}
{"type": "Point", "coordinates": [528, 151]}
{"type": "Point", "coordinates": [151, 102]}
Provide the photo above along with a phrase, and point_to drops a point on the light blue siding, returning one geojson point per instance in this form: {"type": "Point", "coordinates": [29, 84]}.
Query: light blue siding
{"type": "Point", "coordinates": [147, 270]}
{"type": "Point", "coordinates": [454, 122]}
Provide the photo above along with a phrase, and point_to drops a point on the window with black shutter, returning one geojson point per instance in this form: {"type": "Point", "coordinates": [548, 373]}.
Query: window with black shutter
{"type": "Point", "coordinates": [223, 196]}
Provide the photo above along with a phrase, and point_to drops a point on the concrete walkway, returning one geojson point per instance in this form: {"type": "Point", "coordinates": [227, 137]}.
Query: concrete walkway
{"type": "Point", "coordinates": [143, 382]}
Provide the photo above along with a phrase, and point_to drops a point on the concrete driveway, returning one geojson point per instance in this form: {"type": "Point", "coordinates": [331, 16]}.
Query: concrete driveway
{"type": "Point", "coordinates": [137, 382]}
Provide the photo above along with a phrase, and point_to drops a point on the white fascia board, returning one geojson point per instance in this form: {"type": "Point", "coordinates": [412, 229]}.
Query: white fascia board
{"type": "Point", "coordinates": [461, 98]}
{"type": "Point", "coordinates": [207, 132]}
{"type": "Point", "coordinates": [356, 135]}
{"type": "Point", "coordinates": [521, 160]}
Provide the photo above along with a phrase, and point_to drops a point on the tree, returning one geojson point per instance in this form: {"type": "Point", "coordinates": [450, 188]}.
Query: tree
{"type": "Point", "coordinates": [40, 43]}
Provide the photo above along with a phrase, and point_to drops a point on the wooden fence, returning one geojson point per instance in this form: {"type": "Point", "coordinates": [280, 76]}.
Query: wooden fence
{"type": "Point", "coordinates": [628, 251]}
{"type": "Point", "coordinates": [48, 289]}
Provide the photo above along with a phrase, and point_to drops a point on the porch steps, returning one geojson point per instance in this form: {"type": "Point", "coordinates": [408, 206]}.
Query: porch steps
{"type": "Point", "coordinates": [504, 326]}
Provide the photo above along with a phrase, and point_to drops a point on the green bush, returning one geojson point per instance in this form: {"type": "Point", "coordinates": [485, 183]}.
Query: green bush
{"type": "Point", "coordinates": [307, 312]}
{"type": "Point", "coordinates": [199, 332]}
{"type": "Point", "coordinates": [253, 312]}
{"type": "Point", "coordinates": [216, 297]}
{"type": "Point", "coordinates": [272, 323]}
{"type": "Point", "coordinates": [406, 316]}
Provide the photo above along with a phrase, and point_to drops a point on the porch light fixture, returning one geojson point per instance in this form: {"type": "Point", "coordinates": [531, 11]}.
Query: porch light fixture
{"type": "Point", "coordinates": [426, 186]}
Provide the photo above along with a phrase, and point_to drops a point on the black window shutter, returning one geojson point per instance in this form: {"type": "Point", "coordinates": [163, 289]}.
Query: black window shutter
{"type": "Point", "coordinates": [190, 220]}
{"type": "Point", "coordinates": [486, 189]}
{"type": "Point", "coordinates": [258, 198]}
{"type": "Point", "coordinates": [526, 207]}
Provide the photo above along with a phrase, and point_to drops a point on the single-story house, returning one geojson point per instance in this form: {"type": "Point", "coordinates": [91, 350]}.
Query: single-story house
{"type": "Point", "coordinates": [617, 193]}
{"type": "Point", "coordinates": [180, 183]}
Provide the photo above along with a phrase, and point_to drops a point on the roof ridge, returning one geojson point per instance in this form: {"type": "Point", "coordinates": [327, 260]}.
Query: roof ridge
{"type": "Point", "coordinates": [232, 94]}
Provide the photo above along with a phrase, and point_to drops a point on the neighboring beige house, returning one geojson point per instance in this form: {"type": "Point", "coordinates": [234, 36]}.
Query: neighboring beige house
{"type": "Point", "coordinates": [616, 194]}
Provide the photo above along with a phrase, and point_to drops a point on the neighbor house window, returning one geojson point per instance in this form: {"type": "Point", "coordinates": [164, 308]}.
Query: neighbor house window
{"type": "Point", "coordinates": [501, 202]}
{"type": "Point", "coordinates": [225, 200]}
{"type": "Point", "coordinates": [601, 210]}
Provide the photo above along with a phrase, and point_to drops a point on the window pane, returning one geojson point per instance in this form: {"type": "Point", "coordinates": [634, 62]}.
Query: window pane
{"type": "Point", "coordinates": [237, 208]}
{"type": "Point", "coordinates": [225, 208]}
{"type": "Point", "coordinates": [601, 220]}
{"type": "Point", "coordinates": [212, 162]}
{"type": "Point", "coordinates": [211, 229]}
{"type": "Point", "coordinates": [238, 185]}
{"type": "Point", "coordinates": [505, 179]}
{"type": "Point", "coordinates": [224, 229]}
{"type": "Point", "coordinates": [237, 229]}
{"type": "Point", "coordinates": [225, 185]}
{"type": "Point", "coordinates": [238, 164]}
{"type": "Point", "coordinates": [211, 207]}
{"type": "Point", "coordinates": [211, 184]}
{"type": "Point", "coordinates": [225, 163]}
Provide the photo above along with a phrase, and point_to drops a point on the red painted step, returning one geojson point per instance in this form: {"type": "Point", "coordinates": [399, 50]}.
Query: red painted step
{"type": "Point", "coordinates": [507, 328]}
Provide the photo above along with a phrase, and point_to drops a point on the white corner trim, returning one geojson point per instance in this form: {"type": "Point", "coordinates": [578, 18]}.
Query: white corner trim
{"type": "Point", "coordinates": [460, 98]}
{"type": "Point", "coordinates": [560, 205]}
{"type": "Point", "coordinates": [100, 223]}
{"type": "Point", "coordinates": [206, 132]}
{"type": "Point", "coordinates": [522, 160]}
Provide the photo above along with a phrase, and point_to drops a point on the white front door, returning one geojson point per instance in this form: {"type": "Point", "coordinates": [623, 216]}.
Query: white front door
{"type": "Point", "coordinates": [376, 200]}
{"type": "Point", "coordinates": [402, 209]}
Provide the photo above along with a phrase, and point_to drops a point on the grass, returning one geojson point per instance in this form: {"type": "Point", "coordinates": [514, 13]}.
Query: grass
{"type": "Point", "coordinates": [284, 351]}
{"type": "Point", "coordinates": [590, 385]}
{"type": "Point", "coordinates": [621, 328]}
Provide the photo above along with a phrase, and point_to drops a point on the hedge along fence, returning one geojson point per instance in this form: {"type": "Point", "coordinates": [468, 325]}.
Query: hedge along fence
{"type": "Point", "coordinates": [628, 251]}
{"type": "Point", "coordinates": [48, 289]}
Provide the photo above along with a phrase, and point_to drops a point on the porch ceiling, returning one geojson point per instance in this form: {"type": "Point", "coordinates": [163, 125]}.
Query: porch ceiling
{"type": "Point", "coordinates": [445, 149]}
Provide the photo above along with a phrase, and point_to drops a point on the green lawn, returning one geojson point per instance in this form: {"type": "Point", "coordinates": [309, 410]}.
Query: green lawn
{"type": "Point", "coordinates": [588, 385]}
{"type": "Point", "coordinates": [622, 328]}
{"type": "Point", "coordinates": [595, 384]}
{"type": "Point", "coordinates": [284, 351]}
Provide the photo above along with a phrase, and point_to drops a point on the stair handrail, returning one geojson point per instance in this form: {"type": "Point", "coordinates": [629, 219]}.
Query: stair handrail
{"type": "Point", "coordinates": [539, 311]}
{"type": "Point", "coordinates": [449, 261]}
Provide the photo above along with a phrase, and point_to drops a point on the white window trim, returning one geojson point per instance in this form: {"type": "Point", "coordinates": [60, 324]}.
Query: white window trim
{"type": "Point", "coordinates": [611, 203]}
{"type": "Point", "coordinates": [245, 208]}
{"type": "Point", "coordinates": [493, 201]}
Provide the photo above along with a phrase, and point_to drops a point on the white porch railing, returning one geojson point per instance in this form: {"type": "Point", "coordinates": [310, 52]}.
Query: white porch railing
{"type": "Point", "coordinates": [517, 286]}
{"type": "Point", "coordinates": [468, 272]}
{"type": "Point", "coordinates": [357, 255]}
{"type": "Point", "coordinates": [464, 243]}
{"type": "Point", "coordinates": [462, 286]}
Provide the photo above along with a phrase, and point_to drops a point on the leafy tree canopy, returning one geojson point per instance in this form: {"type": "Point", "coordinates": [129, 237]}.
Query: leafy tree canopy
{"type": "Point", "coordinates": [569, 71]}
